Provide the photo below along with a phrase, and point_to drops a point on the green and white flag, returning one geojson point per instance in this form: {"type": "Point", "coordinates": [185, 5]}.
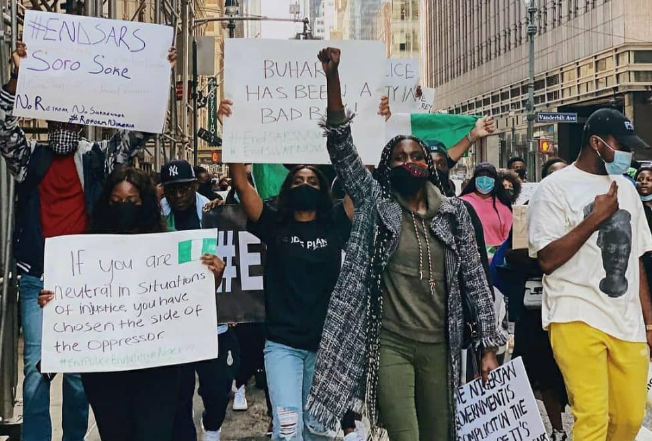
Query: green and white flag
{"type": "Point", "coordinates": [446, 128]}
{"type": "Point", "coordinates": [191, 250]}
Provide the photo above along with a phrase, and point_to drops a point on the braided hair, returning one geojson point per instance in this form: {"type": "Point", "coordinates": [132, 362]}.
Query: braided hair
{"type": "Point", "coordinates": [379, 260]}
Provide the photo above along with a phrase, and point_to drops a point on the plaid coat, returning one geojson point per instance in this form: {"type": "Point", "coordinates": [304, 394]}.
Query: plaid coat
{"type": "Point", "coordinates": [341, 373]}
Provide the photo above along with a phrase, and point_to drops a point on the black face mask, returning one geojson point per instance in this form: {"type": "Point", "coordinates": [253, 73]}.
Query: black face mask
{"type": "Point", "coordinates": [408, 180]}
{"type": "Point", "coordinates": [304, 198]}
{"type": "Point", "coordinates": [124, 216]}
{"type": "Point", "coordinates": [522, 173]}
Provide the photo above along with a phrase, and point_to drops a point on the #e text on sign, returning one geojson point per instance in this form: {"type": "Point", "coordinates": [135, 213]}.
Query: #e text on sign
{"type": "Point", "coordinates": [278, 89]}
{"type": "Point", "coordinates": [504, 409]}
{"type": "Point", "coordinates": [125, 302]}
{"type": "Point", "coordinates": [93, 71]}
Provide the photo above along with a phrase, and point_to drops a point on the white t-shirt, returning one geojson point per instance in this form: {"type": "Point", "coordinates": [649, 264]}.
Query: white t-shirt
{"type": "Point", "coordinates": [599, 285]}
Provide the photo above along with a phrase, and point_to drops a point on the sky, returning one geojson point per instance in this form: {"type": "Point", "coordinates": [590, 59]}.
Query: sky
{"type": "Point", "coordinates": [278, 30]}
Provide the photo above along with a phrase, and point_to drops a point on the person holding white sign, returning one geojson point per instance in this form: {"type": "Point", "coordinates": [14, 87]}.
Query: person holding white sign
{"type": "Point", "coordinates": [305, 236]}
{"type": "Point", "coordinates": [413, 251]}
{"type": "Point", "coordinates": [137, 405]}
{"type": "Point", "coordinates": [57, 185]}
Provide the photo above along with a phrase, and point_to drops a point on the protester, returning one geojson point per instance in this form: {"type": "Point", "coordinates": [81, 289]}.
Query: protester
{"type": "Point", "coordinates": [224, 184]}
{"type": "Point", "coordinates": [643, 179]}
{"type": "Point", "coordinates": [492, 205]}
{"type": "Point", "coordinates": [204, 184]}
{"type": "Point", "coordinates": [183, 207]}
{"type": "Point", "coordinates": [510, 270]}
{"type": "Point", "coordinates": [511, 183]}
{"type": "Point", "coordinates": [586, 226]}
{"type": "Point", "coordinates": [552, 165]}
{"type": "Point", "coordinates": [518, 166]}
{"type": "Point", "coordinates": [53, 201]}
{"type": "Point", "coordinates": [412, 250]}
{"type": "Point", "coordinates": [136, 405]}
{"type": "Point", "coordinates": [305, 236]}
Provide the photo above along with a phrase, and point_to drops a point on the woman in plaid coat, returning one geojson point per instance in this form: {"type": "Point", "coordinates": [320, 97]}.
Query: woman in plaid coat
{"type": "Point", "coordinates": [391, 343]}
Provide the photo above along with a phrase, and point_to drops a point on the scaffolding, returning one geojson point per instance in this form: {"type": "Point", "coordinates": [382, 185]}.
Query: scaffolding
{"type": "Point", "coordinates": [174, 142]}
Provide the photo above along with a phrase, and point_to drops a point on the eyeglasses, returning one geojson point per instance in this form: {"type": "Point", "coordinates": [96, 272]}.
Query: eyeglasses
{"type": "Point", "coordinates": [177, 190]}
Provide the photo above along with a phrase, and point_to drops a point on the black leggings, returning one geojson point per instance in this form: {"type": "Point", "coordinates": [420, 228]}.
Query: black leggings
{"type": "Point", "coordinates": [251, 337]}
{"type": "Point", "coordinates": [134, 405]}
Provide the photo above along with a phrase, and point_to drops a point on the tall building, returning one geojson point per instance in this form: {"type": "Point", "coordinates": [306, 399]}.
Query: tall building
{"type": "Point", "coordinates": [355, 19]}
{"type": "Point", "coordinates": [588, 54]}
{"type": "Point", "coordinates": [250, 8]}
{"type": "Point", "coordinates": [398, 25]}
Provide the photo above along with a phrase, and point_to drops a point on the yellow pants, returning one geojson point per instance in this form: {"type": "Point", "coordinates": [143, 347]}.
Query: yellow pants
{"type": "Point", "coordinates": [605, 378]}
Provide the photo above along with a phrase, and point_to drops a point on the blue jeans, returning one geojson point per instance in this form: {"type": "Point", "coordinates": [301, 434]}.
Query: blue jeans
{"type": "Point", "coordinates": [289, 377]}
{"type": "Point", "coordinates": [36, 389]}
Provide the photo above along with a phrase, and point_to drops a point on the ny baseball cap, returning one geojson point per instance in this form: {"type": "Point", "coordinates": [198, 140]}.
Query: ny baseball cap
{"type": "Point", "coordinates": [435, 146]}
{"type": "Point", "coordinates": [612, 122]}
{"type": "Point", "coordinates": [177, 172]}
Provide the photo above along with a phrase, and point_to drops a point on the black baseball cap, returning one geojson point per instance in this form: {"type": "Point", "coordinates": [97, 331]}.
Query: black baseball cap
{"type": "Point", "coordinates": [435, 146]}
{"type": "Point", "coordinates": [612, 122]}
{"type": "Point", "coordinates": [485, 166]}
{"type": "Point", "coordinates": [177, 172]}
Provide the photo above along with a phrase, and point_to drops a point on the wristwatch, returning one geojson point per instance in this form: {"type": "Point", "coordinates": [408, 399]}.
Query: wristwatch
{"type": "Point", "coordinates": [648, 327]}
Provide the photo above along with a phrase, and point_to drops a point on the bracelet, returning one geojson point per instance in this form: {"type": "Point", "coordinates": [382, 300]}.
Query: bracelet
{"type": "Point", "coordinates": [14, 76]}
{"type": "Point", "coordinates": [468, 136]}
{"type": "Point", "coordinates": [648, 327]}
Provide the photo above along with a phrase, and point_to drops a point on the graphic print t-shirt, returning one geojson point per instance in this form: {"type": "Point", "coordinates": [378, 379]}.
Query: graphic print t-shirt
{"type": "Point", "coordinates": [599, 285]}
{"type": "Point", "coordinates": [303, 264]}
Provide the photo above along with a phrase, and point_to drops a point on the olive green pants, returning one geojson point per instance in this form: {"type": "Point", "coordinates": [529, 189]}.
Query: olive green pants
{"type": "Point", "coordinates": [413, 390]}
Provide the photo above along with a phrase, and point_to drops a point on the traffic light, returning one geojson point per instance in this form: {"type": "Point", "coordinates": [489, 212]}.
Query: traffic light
{"type": "Point", "coordinates": [215, 157]}
{"type": "Point", "coordinates": [545, 146]}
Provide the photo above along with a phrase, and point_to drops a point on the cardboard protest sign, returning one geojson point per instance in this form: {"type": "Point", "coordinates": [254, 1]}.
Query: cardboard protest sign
{"type": "Point", "coordinates": [240, 296]}
{"type": "Point", "coordinates": [519, 227]}
{"type": "Point", "coordinates": [93, 71]}
{"type": "Point", "coordinates": [127, 302]}
{"type": "Point", "coordinates": [401, 81]}
{"type": "Point", "coordinates": [278, 89]}
{"type": "Point", "coordinates": [502, 410]}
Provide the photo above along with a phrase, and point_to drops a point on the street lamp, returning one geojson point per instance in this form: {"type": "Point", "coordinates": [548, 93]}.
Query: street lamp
{"type": "Point", "coordinates": [531, 32]}
{"type": "Point", "coordinates": [231, 9]}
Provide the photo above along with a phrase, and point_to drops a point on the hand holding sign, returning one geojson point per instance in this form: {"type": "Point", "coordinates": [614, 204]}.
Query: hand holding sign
{"type": "Point", "coordinates": [18, 55]}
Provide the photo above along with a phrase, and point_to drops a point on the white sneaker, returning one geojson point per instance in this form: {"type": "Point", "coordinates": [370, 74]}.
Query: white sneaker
{"type": "Point", "coordinates": [240, 400]}
{"type": "Point", "coordinates": [210, 435]}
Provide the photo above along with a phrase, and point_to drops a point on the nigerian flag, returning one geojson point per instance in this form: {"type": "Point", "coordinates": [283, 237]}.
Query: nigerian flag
{"type": "Point", "coordinates": [268, 179]}
{"type": "Point", "coordinates": [190, 250]}
{"type": "Point", "coordinates": [446, 128]}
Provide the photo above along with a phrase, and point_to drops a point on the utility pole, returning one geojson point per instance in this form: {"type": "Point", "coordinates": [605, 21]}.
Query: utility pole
{"type": "Point", "coordinates": [531, 32]}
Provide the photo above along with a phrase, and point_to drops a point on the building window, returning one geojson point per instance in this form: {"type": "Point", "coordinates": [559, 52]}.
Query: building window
{"type": "Point", "coordinates": [623, 58]}
{"type": "Point", "coordinates": [623, 78]}
{"type": "Point", "coordinates": [587, 70]}
{"type": "Point", "coordinates": [539, 84]}
{"type": "Point", "coordinates": [515, 92]}
{"type": "Point", "coordinates": [643, 77]}
{"type": "Point", "coordinates": [569, 75]}
{"type": "Point", "coordinates": [605, 64]}
{"type": "Point", "coordinates": [552, 80]}
{"type": "Point", "coordinates": [643, 57]}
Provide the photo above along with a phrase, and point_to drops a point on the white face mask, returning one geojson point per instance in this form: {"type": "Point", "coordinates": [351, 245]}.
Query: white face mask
{"type": "Point", "coordinates": [621, 163]}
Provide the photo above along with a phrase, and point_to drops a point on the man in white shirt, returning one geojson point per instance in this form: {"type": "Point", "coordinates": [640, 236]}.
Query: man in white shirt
{"type": "Point", "coordinates": [587, 228]}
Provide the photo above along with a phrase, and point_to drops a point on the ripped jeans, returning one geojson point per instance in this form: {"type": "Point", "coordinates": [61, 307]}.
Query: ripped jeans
{"type": "Point", "coordinates": [289, 376]}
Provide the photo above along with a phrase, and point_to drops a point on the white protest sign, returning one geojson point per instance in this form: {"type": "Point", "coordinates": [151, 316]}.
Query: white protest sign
{"type": "Point", "coordinates": [93, 71]}
{"type": "Point", "coordinates": [427, 100]}
{"type": "Point", "coordinates": [527, 191]}
{"type": "Point", "coordinates": [278, 89]}
{"type": "Point", "coordinates": [502, 410]}
{"type": "Point", "coordinates": [127, 302]}
{"type": "Point", "coordinates": [401, 81]}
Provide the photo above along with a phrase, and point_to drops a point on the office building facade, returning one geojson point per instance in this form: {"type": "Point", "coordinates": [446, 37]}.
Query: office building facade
{"type": "Point", "coordinates": [588, 54]}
